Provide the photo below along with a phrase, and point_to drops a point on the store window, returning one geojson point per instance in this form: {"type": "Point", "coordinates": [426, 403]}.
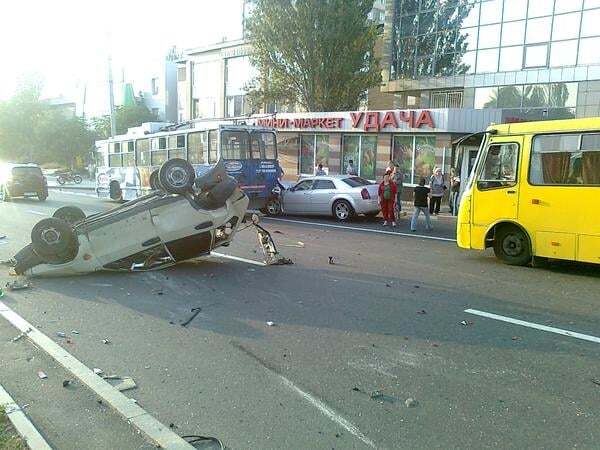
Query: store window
{"type": "Point", "coordinates": [403, 156]}
{"type": "Point", "coordinates": [314, 150]}
{"type": "Point", "coordinates": [425, 157]}
{"type": "Point", "coordinates": [288, 146]}
{"type": "Point", "coordinates": [362, 150]}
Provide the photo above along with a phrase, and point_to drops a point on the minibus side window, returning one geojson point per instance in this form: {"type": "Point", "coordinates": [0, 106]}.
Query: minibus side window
{"type": "Point", "coordinates": [499, 168]}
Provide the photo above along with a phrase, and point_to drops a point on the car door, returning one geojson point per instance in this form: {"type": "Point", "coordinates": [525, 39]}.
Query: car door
{"type": "Point", "coordinates": [322, 196]}
{"type": "Point", "coordinates": [496, 193]}
{"type": "Point", "coordinates": [296, 200]}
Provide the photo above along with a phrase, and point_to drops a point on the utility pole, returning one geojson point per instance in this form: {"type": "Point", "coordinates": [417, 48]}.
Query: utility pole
{"type": "Point", "coordinates": [113, 126]}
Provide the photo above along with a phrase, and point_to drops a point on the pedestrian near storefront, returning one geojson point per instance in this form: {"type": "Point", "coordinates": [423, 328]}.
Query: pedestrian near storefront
{"type": "Point", "coordinates": [387, 198]}
{"type": "Point", "coordinates": [437, 186]}
{"type": "Point", "coordinates": [350, 169]}
{"type": "Point", "coordinates": [421, 196]}
{"type": "Point", "coordinates": [454, 193]}
{"type": "Point", "coordinates": [320, 172]}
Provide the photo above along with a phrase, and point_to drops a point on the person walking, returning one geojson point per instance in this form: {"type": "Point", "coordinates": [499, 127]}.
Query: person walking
{"type": "Point", "coordinates": [350, 169]}
{"type": "Point", "coordinates": [436, 183]}
{"type": "Point", "coordinates": [398, 179]}
{"type": "Point", "coordinates": [320, 172]}
{"type": "Point", "coordinates": [387, 197]}
{"type": "Point", "coordinates": [421, 195]}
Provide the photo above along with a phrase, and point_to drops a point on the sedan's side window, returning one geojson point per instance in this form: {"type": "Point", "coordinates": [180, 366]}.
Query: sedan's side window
{"type": "Point", "coordinates": [303, 185]}
{"type": "Point", "coordinates": [323, 184]}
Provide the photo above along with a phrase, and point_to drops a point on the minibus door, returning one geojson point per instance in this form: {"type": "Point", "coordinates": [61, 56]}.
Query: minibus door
{"type": "Point", "coordinates": [496, 190]}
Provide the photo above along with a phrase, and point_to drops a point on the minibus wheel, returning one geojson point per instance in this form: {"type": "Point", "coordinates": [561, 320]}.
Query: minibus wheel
{"type": "Point", "coordinates": [511, 246]}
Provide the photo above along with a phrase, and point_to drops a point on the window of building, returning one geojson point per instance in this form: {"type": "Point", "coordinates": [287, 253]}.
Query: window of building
{"type": "Point", "coordinates": [487, 60]}
{"type": "Point", "coordinates": [563, 53]}
{"type": "Point", "coordinates": [511, 58]}
{"type": "Point", "coordinates": [207, 84]}
{"type": "Point", "coordinates": [154, 86]}
{"type": "Point", "coordinates": [563, 6]}
{"type": "Point", "coordinates": [472, 18]}
{"type": "Point", "coordinates": [538, 8]}
{"type": "Point", "coordinates": [446, 99]}
{"type": "Point", "coordinates": [513, 33]}
{"type": "Point", "coordinates": [288, 145]}
{"type": "Point", "coordinates": [538, 30]}
{"type": "Point", "coordinates": [239, 73]}
{"type": "Point", "coordinates": [489, 36]}
{"type": "Point", "coordinates": [314, 150]}
{"type": "Point", "coordinates": [591, 4]}
{"type": "Point", "coordinates": [536, 56]}
{"type": "Point", "coordinates": [491, 11]}
{"type": "Point", "coordinates": [197, 148]}
{"type": "Point", "coordinates": [588, 51]}
{"type": "Point", "coordinates": [566, 26]}
{"type": "Point", "coordinates": [469, 37]}
{"type": "Point", "coordinates": [570, 159]}
{"type": "Point", "coordinates": [589, 23]}
{"type": "Point", "coordinates": [424, 157]}
{"type": "Point", "coordinates": [402, 155]}
{"type": "Point", "coordinates": [514, 10]}
{"type": "Point", "coordinates": [181, 74]}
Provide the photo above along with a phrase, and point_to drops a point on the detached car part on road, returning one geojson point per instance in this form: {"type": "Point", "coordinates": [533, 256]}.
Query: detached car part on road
{"type": "Point", "coordinates": [187, 218]}
{"type": "Point", "coordinates": [340, 196]}
{"type": "Point", "coordinates": [22, 180]}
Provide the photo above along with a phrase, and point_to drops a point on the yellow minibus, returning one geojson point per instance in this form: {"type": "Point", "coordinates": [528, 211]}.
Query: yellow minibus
{"type": "Point", "coordinates": [534, 192]}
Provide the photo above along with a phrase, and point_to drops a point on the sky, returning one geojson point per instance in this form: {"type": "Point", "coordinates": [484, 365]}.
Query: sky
{"type": "Point", "coordinates": [66, 43]}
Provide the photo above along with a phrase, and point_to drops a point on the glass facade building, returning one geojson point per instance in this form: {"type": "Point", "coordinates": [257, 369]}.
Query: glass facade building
{"type": "Point", "coordinates": [539, 59]}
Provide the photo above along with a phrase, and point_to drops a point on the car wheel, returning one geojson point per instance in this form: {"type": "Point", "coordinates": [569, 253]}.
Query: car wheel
{"type": "Point", "coordinates": [342, 210]}
{"type": "Point", "coordinates": [54, 240]}
{"type": "Point", "coordinates": [77, 179]}
{"type": "Point", "coordinates": [42, 196]}
{"type": "Point", "coordinates": [70, 214]}
{"type": "Point", "coordinates": [155, 182]}
{"type": "Point", "coordinates": [511, 246]}
{"type": "Point", "coordinates": [273, 207]}
{"type": "Point", "coordinates": [176, 176]}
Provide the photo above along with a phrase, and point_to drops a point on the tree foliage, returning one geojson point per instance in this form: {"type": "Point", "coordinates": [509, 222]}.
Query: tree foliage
{"type": "Point", "coordinates": [317, 53]}
{"type": "Point", "coordinates": [125, 117]}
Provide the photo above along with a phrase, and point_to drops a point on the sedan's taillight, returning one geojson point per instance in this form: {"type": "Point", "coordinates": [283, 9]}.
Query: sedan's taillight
{"type": "Point", "coordinates": [365, 194]}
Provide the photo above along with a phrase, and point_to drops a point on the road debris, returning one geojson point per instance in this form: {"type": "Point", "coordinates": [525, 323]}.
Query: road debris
{"type": "Point", "coordinates": [596, 381]}
{"type": "Point", "coordinates": [410, 402]}
{"type": "Point", "coordinates": [42, 375]}
{"type": "Point", "coordinates": [21, 335]}
{"type": "Point", "coordinates": [516, 338]}
{"type": "Point", "coordinates": [67, 383]}
{"type": "Point", "coordinates": [421, 311]}
{"type": "Point", "coordinates": [1, 293]}
{"type": "Point", "coordinates": [74, 332]}
{"type": "Point", "coordinates": [277, 232]}
{"type": "Point", "coordinates": [271, 324]}
{"type": "Point", "coordinates": [298, 244]}
{"type": "Point", "coordinates": [98, 371]}
{"type": "Point", "coordinates": [61, 334]}
{"type": "Point", "coordinates": [106, 341]}
{"type": "Point", "coordinates": [157, 291]}
{"type": "Point", "coordinates": [195, 312]}
{"type": "Point", "coordinates": [121, 383]}
{"type": "Point", "coordinates": [331, 260]}
{"type": "Point", "coordinates": [3, 236]}
{"type": "Point", "coordinates": [18, 285]}
{"type": "Point", "coordinates": [466, 323]}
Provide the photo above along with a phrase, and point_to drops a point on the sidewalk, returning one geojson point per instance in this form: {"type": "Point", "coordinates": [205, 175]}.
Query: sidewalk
{"type": "Point", "coordinates": [444, 214]}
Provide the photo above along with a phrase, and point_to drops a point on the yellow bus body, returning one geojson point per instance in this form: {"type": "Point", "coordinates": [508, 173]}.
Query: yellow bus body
{"type": "Point", "coordinates": [539, 181]}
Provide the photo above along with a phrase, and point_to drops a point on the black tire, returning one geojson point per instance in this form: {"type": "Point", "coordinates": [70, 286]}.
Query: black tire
{"type": "Point", "coordinates": [273, 207]}
{"type": "Point", "coordinates": [60, 180]}
{"type": "Point", "coordinates": [342, 210]}
{"type": "Point", "coordinates": [70, 214]}
{"type": "Point", "coordinates": [512, 246]}
{"type": "Point", "coordinates": [77, 179]}
{"type": "Point", "coordinates": [115, 191]}
{"type": "Point", "coordinates": [155, 182]}
{"type": "Point", "coordinates": [176, 176]}
{"type": "Point", "coordinates": [42, 196]}
{"type": "Point", "coordinates": [54, 240]}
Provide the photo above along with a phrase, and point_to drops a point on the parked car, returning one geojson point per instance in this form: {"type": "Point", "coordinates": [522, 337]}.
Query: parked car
{"type": "Point", "coordinates": [185, 219]}
{"type": "Point", "coordinates": [22, 180]}
{"type": "Point", "coordinates": [340, 196]}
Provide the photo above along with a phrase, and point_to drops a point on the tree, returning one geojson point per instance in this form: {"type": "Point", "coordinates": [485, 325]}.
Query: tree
{"type": "Point", "coordinates": [125, 117]}
{"type": "Point", "coordinates": [317, 53]}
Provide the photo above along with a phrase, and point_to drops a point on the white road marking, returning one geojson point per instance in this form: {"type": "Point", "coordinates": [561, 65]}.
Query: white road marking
{"type": "Point", "coordinates": [158, 433]}
{"type": "Point", "coordinates": [573, 334]}
{"type": "Point", "coordinates": [36, 212]}
{"type": "Point", "coordinates": [367, 230]}
{"type": "Point", "coordinates": [330, 413]}
{"type": "Point", "coordinates": [21, 422]}
{"type": "Point", "coordinates": [237, 258]}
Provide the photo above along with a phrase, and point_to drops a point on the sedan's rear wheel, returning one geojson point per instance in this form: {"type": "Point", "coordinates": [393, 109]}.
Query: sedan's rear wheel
{"type": "Point", "coordinates": [54, 240]}
{"type": "Point", "coordinates": [342, 210]}
{"type": "Point", "coordinates": [176, 176]}
{"type": "Point", "coordinates": [70, 214]}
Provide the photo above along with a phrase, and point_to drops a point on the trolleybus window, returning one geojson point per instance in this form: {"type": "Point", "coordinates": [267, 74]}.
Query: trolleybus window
{"type": "Point", "coordinates": [235, 145]}
{"type": "Point", "coordinates": [197, 148]}
{"type": "Point", "coordinates": [263, 146]}
{"type": "Point", "coordinates": [128, 154]}
{"type": "Point", "coordinates": [212, 146]}
{"type": "Point", "coordinates": [142, 150]}
{"type": "Point", "coordinates": [158, 155]}
{"type": "Point", "coordinates": [176, 146]}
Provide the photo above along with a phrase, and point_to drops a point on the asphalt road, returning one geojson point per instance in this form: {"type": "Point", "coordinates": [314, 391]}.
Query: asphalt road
{"type": "Point", "coordinates": [351, 342]}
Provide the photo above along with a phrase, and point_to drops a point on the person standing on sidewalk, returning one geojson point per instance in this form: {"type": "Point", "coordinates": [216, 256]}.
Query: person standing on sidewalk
{"type": "Point", "coordinates": [454, 194]}
{"type": "Point", "coordinates": [437, 191]}
{"type": "Point", "coordinates": [421, 196]}
{"type": "Point", "coordinates": [387, 197]}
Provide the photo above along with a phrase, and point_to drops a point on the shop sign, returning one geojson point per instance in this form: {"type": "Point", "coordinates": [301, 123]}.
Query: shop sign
{"type": "Point", "coordinates": [367, 121]}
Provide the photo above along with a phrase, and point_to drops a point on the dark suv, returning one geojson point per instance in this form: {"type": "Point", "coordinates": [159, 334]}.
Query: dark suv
{"type": "Point", "coordinates": [22, 180]}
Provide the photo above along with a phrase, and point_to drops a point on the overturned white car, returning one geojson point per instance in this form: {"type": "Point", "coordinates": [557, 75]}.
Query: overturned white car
{"type": "Point", "coordinates": [186, 218]}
